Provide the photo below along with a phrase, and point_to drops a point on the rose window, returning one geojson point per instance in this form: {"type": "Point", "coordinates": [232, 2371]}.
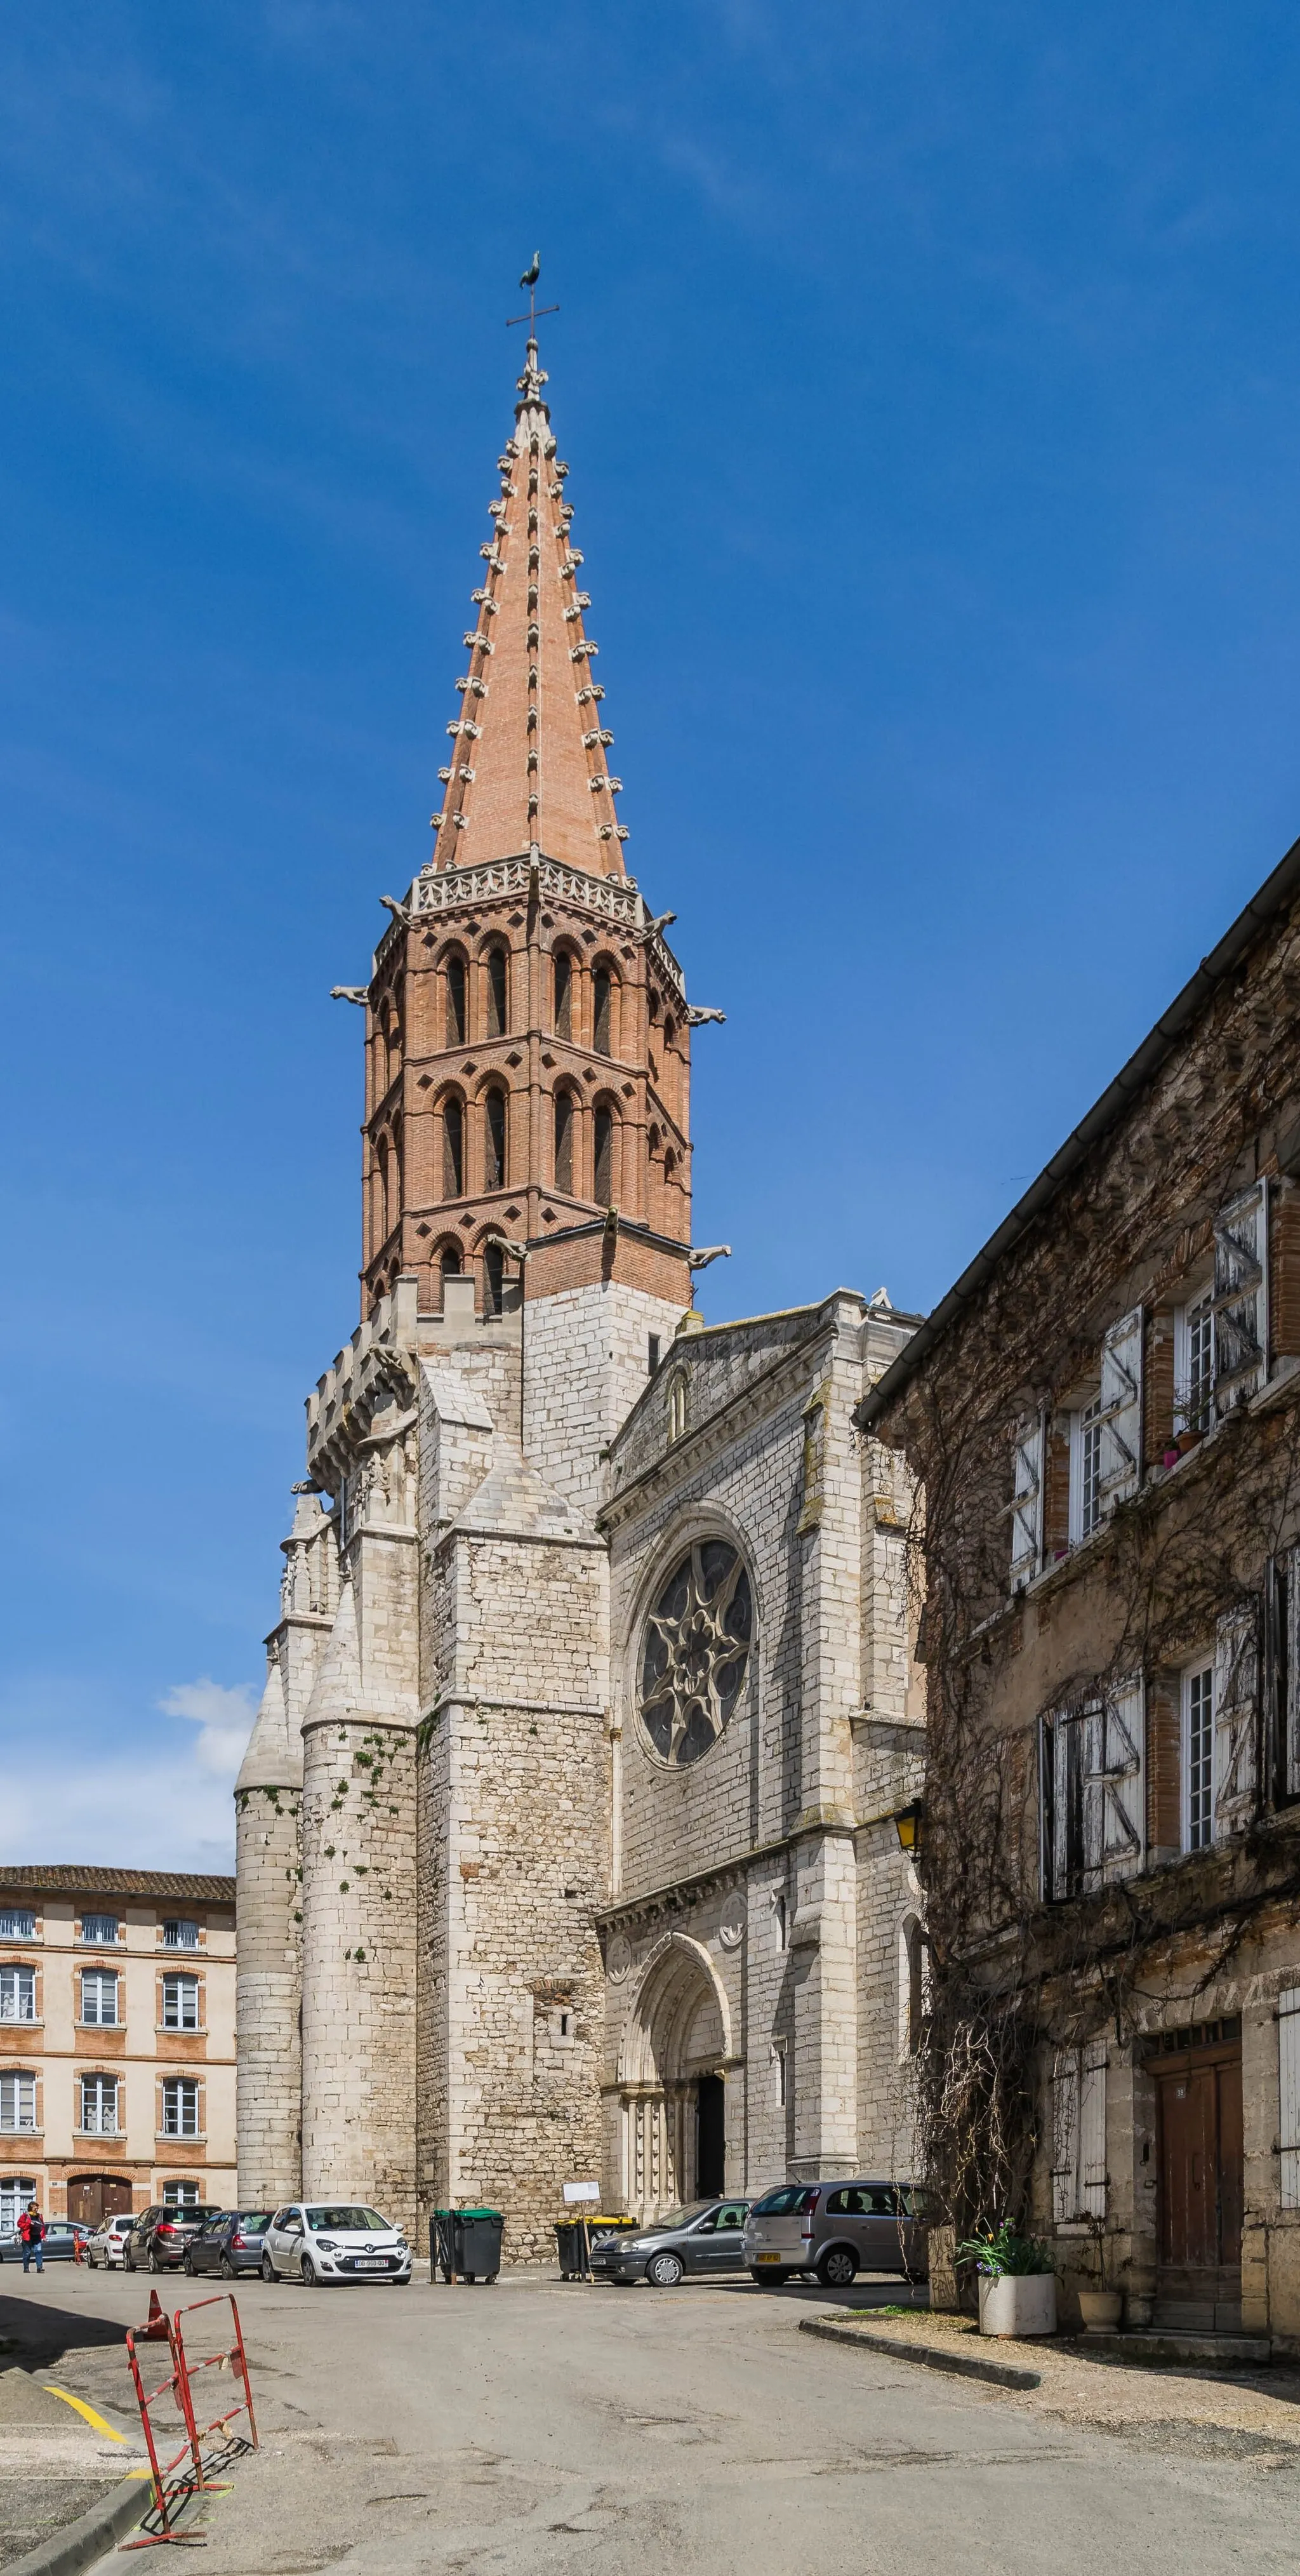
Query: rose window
{"type": "Point", "coordinates": [697, 1640]}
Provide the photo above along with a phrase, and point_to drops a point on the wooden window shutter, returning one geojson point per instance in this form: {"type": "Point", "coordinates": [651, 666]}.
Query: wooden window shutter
{"type": "Point", "coordinates": [1092, 2130]}
{"type": "Point", "coordinates": [1121, 1409]}
{"type": "Point", "coordinates": [1241, 1298]}
{"type": "Point", "coordinates": [1065, 2136]}
{"type": "Point", "coordinates": [1121, 1788]}
{"type": "Point", "coordinates": [1288, 2069]}
{"type": "Point", "coordinates": [1158, 1388]}
{"type": "Point", "coordinates": [1236, 1720]}
{"type": "Point", "coordinates": [1027, 1503]}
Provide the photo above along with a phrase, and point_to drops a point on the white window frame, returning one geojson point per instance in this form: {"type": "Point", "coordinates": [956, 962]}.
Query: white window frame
{"type": "Point", "coordinates": [17, 1923]}
{"type": "Point", "coordinates": [180, 1934]}
{"type": "Point", "coordinates": [181, 1988]}
{"type": "Point", "coordinates": [17, 2099]}
{"type": "Point", "coordinates": [1194, 1319]}
{"type": "Point", "coordinates": [1086, 1432]}
{"type": "Point", "coordinates": [185, 2090]}
{"type": "Point", "coordinates": [17, 2191]}
{"type": "Point", "coordinates": [95, 2091]}
{"type": "Point", "coordinates": [180, 2195]}
{"type": "Point", "coordinates": [101, 1979]}
{"type": "Point", "coordinates": [99, 1937]}
{"type": "Point", "coordinates": [20, 1984]}
{"type": "Point", "coordinates": [1197, 1706]}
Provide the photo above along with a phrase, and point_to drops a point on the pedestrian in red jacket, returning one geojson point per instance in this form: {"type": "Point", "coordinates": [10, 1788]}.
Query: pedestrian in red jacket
{"type": "Point", "coordinates": [31, 2228]}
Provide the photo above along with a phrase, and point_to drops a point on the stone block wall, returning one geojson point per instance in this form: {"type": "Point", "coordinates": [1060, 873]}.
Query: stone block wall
{"type": "Point", "coordinates": [358, 2042]}
{"type": "Point", "coordinates": [586, 1360]}
{"type": "Point", "coordinates": [268, 1987]}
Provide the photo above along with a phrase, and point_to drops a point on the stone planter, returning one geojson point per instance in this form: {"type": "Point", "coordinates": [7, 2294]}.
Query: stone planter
{"type": "Point", "coordinates": [1019, 2303]}
{"type": "Point", "coordinates": [1100, 2310]}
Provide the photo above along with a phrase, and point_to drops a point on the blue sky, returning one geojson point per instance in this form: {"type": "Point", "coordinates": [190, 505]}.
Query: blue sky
{"type": "Point", "coordinates": [928, 378]}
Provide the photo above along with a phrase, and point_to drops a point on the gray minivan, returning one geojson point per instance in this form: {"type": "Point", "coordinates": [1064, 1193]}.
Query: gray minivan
{"type": "Point", "coordinates": [836, 2229]}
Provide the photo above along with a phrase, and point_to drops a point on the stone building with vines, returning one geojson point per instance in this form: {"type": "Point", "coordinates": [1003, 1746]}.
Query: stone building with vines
{"type": "Point", "coordinates": [1104, 1414]}
{"type": "Point", "coordinates": [566, 1840]}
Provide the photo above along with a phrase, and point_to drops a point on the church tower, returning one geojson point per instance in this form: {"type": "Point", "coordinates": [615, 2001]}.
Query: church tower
{"type": "Point", "coordinates": [525, 1265]}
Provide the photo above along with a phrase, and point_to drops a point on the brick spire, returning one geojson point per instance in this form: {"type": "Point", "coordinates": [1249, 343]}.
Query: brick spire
{"type": "Point", "coordinates": [528, 765]}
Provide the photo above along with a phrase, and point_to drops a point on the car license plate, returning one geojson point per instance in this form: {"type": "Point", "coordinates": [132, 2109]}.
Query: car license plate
{"type": "Point", "coordinates": [371, 2263]}
{"type": "Point", "coordinates": [769, 2258]}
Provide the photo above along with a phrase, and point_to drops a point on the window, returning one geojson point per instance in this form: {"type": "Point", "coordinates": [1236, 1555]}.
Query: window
{"type": "Point", "coordinates": [99, 1929]}
{"type": "Point", "coordinates": [494, 1141]}
{"type": "Point", "coordinates": [564, 1140]}
{"type": "Point", "coordinates": [494, 1277]}
{"type": "Point", "coordinates": [563, 995]}
{"type": "Point", "coordinates": [652, 1354]}
{"type": "Point", "coordinates": [17, 1994]}
{"type": "Point", "coordinates": [1092, 1778]}
{"type": "Point", "coordinates": [677, 1407]}
{"type": "Point", "coordinates": [99, 2106]}
{"type": "Point", "coordinates": [17, 2102]}
{"type": "Point", "coordinates": [180, 2195]}
{"type": "Point", "coordinates": [604, 1164]}
{"type": "Point", "coordinates": [16, 2191]}
{"type": "Point", "coordinates": [180, 1936]}
{"type": "Point", "coordinates": [99, 1997]}
{"type": "Point", "coordinates": [180, 2003]}
{"type": "Point", "coordinates": [695, 1650]}
{"type": "Point", "coordinates": [453, 1150]}
{"type": "Point", "coordinates": [601, 1010]}
{"type": "Point", "coordinates": [449, 1261]}
{"type": "Point", "coordinates": [1198, 1758]}
{"type": "Point", "coordinates": [17, 1923]}
{"type": "Point", "coordinates": [455, 1001]}
{"type": "Point", "coordinates": [180, 2100]}
{"type": "Point", "coordinates": [1085, 1470]}
{"type": "Point", "coordinates": [1194, 1364]}
{"type": "Point", "coordinates": [496, 993]}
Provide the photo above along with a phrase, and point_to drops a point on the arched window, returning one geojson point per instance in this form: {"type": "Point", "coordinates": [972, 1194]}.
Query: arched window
{"type": "Point", "coordinates": [670, 1032]}
{"type": "Point", "coordinates": [385, 1189]}
{"type": "Point", "coordinates": [602, 1010]}
{"type": "Point", "coordinates": [564, 1140]}
{"type": "Point", "coordinates": [496, 992]}
{"type": "Point", "coordinates": [453, 1150]}
{"type": "Point", "coordinates": [455, 1001]}
{"type": "Point", "coordinates": [449, 1261]}
{"type": "Point", "coordinates": [677, 1406]}
{"type": "Point", "coordinates": [563, 994]}
{"type": "Point", "coordinates": [494, 1277]}
{"type": "Point", "coordinates": [670, 1168]}
{"type": "Point", "coordinates": [603, 1176]}
{"type": "Point", "coordinates": [494, 1141]}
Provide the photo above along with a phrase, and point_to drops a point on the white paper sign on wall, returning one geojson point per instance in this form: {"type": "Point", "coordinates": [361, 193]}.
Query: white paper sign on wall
{"type": "Point", "coordinates": [581, 2191]}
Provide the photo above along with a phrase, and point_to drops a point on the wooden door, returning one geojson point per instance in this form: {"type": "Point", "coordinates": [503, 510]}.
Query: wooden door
{"type": "Point", "coordinates": [1200, 2164]}
{"type": "Point", "coordinates": [94, 2197]}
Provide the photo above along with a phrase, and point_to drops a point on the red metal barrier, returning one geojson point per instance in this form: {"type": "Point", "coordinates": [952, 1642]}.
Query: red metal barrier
{"type": "Point", "coordinates": [172, 2492]}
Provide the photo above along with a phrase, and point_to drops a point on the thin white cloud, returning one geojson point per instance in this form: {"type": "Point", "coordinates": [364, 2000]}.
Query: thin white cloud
{"type": "Point", "coordinates": [223, 1718]}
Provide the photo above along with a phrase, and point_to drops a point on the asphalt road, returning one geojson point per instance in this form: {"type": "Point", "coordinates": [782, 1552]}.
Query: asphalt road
{"type": "Point", "coordinates": [540, 2426]}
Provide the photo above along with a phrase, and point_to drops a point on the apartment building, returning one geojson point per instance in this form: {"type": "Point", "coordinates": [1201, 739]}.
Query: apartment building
{"type": "Point", "coordinates": [117, 2040]}
{"type": "Point", "coordinates": [1104, 1413]}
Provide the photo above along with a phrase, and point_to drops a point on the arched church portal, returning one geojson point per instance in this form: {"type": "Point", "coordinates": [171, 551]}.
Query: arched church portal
{"type": "Point", "coordinates": [672, 2081]}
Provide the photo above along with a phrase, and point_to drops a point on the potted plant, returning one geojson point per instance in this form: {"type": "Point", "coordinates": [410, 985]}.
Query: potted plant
{"type": "Point", "coordinates": [1017, 2281]}
{"type": "Point", "coordinates": [1101, 2308]}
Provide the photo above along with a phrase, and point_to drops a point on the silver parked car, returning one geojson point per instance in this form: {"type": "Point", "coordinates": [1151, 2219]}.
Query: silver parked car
{"type": "Point", "coordinates": [836, 2229]}
{"type": "Point", "coordinates": [107, 2243]}
{"type": "Point", "coordinates": [343, 2241]}
{"type": "Point", "coordinates": [706, 2237]}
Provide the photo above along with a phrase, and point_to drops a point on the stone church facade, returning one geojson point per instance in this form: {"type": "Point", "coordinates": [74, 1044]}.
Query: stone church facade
{"type": "Point", "coordinates": [566, 1841]}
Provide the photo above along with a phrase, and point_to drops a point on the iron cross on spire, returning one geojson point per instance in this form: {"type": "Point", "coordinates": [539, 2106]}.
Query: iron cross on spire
{"type": "Point", "coordinates": [529, 279]}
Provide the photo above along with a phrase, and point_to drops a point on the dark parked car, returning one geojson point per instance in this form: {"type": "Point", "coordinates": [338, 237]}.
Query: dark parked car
{"type": "Point", "coordinates": [707, 2237]}
{"type": "Point", "coordinates": [159, 2237]}
{"type": "Point", "coordinates": [229, 2242]}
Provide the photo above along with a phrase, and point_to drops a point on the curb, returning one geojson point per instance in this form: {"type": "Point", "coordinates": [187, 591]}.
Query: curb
{"type": "Point", "coordinates": [80, 2543]}
{"type": "Point", "coordinates": [1004, 2374]}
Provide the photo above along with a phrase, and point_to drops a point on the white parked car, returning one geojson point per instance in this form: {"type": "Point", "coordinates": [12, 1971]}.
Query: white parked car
{"type": "Point", "coordinates": [107, 2245]}
{"type": "Point", "coordinates": [319, 2241]}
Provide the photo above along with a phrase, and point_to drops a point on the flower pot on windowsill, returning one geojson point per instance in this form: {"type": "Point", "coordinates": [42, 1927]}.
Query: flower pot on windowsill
{"type": "Point", "coordinates": [1017, 2303]}
{"type": "Point", "coordinates": [1188, 1440]}
{"type": "Point", "coordinates": [1101, 2311]}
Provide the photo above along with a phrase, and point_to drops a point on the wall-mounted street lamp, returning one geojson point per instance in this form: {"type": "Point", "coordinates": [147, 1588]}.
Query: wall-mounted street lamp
{"type": "Point", "coordinates": [907, 1826]}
